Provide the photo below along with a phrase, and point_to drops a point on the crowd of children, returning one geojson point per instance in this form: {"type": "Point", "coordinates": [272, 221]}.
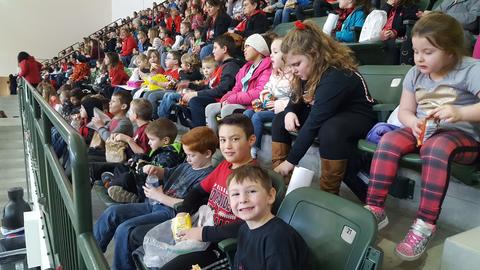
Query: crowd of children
{"type": "Point", "coordinates": [226, 76]}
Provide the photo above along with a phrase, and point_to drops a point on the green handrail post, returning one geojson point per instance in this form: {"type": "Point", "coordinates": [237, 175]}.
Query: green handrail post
{"type": "Point", "coordinates": [67, 208]}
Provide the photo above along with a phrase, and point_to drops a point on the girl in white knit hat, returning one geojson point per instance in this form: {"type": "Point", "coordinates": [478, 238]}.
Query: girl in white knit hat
{"type": "Point", "coordinates": [249, 82]}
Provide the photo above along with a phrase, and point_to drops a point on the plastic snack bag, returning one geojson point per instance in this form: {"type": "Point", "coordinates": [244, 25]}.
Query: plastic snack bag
{"type": "Point", "coordinates": [160, 246]}
{"type": "Point", "coordinates": [429, 126]}
{"type": "Point", "coordinates": [180, 223]}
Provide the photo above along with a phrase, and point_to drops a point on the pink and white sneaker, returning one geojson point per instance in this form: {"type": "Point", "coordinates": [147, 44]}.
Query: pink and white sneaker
{"type": "Point", "coordinates": [379, 214]}
{"type": "Point", "coordinates": [416, 240]}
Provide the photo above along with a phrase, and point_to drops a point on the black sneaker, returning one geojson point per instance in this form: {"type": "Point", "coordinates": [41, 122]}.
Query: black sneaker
{"type": "Point", "coordinates": [106, 177]}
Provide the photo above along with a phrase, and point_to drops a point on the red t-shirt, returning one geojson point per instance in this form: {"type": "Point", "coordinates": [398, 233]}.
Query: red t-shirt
{"type": "Point", "coordinates": [172, 73]}
{"type": "Point", "coordinates": [216, 184]}
{"type": "Point", "coordinates": [140, 138]}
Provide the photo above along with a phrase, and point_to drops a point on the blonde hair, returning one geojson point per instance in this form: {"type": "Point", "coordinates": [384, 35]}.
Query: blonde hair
{"type": "Point", "coordinates": [443, 32]}
{"type": "Point", "coordinates": [191, 59]}
{"type": "Point", "coordinates": [209, 60]}
{"type": "Point", "coordinates": [323, 52]}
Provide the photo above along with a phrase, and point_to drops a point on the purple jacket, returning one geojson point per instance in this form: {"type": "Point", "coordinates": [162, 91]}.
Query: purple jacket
{"type": "Point", "coordinates": [255, 85]}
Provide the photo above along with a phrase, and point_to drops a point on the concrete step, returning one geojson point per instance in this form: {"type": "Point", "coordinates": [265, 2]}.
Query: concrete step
{"type": "Point", "coordinates": [11, 144]}
{"type": "Point", "coordinates": [8, 162]}
{"type": "Point", "coordinates": [11, 153]}
{"type": "Point", "coordinates": [13, 173]}
{"type": "Point", "coordinates": [10, 122]}
{"type": "Point", "coordinates": [13, 182]}
{"type": "Point", "coordinates": [10, 134]}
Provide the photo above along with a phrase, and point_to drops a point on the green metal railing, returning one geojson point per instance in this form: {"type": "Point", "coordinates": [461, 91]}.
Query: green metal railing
{"type": "Point", "coordinates": [67, 208]}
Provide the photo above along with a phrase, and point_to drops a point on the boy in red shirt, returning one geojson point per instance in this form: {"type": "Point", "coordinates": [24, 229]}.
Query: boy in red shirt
{"type": "Point", "coordinates": [236, 138]}
{"type": "Point", "coordinates": [139, 114]}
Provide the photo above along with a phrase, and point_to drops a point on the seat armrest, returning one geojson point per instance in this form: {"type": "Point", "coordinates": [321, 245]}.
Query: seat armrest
{"type": "Point", "coordinates": [409, 22]}
{"type": "Point", "coordinates": [228, 245]}
{"type": "Point", "coordinates": [384, 107]}
{"type": "Point", "coordinates": [176, 206]}
{"type": "Point", "coordinates": [384, 110]}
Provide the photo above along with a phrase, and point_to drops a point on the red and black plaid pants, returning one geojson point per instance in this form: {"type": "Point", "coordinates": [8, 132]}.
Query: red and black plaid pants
{"type": "Point", "coordinates": [436, 153]}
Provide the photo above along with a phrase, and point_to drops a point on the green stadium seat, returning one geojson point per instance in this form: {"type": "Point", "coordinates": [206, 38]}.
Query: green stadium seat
{"type": "Point", "coordinates": [385, 85]}
{"type": "Point", "coordinates": [339, 233]}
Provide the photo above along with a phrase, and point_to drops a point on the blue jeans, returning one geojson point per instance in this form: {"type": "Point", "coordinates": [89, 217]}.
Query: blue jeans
{"type": "Point", "coordinates": [283, 15]}
{"type": "Point", "coordinates": [258, 119]}
{"type": "Point", "coordinates": [119, 220]}
{"type": "Point", "coordinates": [154, 97]}
{"type": "Point", "coordinates": [168, 100]}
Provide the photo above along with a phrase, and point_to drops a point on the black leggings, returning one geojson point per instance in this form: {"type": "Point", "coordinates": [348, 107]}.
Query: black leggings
{"type": "Point", "coordinates": [337, 137]}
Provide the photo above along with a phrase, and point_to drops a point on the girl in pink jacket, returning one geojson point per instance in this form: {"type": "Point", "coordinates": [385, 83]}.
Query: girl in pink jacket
{"type": "Point", "coordinates": [476, 50]}
{"type": "Point", "coordinates": [250, 80]}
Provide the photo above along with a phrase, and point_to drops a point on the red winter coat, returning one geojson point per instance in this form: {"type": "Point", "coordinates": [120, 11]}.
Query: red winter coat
{"type": "Point", "coordinates": [170, 21]}
{"type": "Point", "coordinates": [117, 75]}
{"type": "Point", "coordinates": [30, 70]}
{"type": "Point", "coordinates": [128, 44]}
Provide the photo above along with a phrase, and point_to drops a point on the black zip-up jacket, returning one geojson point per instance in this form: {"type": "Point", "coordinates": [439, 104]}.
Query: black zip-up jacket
{"type": "Point", "coordinates": [230, 68]}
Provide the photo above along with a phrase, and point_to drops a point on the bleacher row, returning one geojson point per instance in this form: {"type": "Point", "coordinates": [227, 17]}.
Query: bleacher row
{"type": "Point", "coordinates": [384, 84]}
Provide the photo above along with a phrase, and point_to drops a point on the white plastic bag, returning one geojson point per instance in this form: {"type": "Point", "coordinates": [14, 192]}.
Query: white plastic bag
{"type": "Point", "coordinates": [330, 23]}
{"type": "Point", "coordinates": [372, 28]}
{"type": "Point", "coordinates": [160, 247]}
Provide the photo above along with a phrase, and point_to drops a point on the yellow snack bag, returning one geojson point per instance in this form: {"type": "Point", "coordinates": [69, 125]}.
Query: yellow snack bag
{"type": "Point", "coordinates": [150, 81]}
{"type": "Point", "coordinates": [181, 222]}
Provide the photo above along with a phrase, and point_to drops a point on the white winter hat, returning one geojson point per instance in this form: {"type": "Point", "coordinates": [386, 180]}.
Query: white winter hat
{"type": "Point", "coordinates": [257, 42]}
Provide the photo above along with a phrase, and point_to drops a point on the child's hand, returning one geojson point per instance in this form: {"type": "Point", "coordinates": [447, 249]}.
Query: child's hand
{"type": "Point", "coordinates": [161, 84]}
{"type": "Point", "coordinates": [119, 137]}
{"type": "Point", "coordinates": [263, 92]}
{"type": "Point", "coordinates": [154, 67]}
{"type": "Point", "coordinates": [270, 104]}
{"type": "Point", "coordinates": [182, 85]}
{"type": "Point", "coordinates": [417, 127]}
{"type": "Point", "coordinates": [284, 168]}
{"type": "Point", "coordinates": [187, 96]}
{"type": "Point", "coordinates": [195, 233]}
{"type": "Point", "coordinates": [448, 113]}
{"type": "Point", "coordinates": [98, 122]}
{"type": "Point", "coordinates": [291, 122]}
{"type": "Point", "coordinates": [155, 193]}
{"type": "Point", "coordinates": [268, 9]}
{"type": "Point", "coordinates": [279, 106]}
{"type": "Point", "coordinates": [151, 169]}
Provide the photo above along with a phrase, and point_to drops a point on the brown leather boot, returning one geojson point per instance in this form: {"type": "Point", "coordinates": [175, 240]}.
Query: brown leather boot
{"type": "Point", "coordinates": [332, 175]}
{"type": "Point", "coordinates": [279, 153]}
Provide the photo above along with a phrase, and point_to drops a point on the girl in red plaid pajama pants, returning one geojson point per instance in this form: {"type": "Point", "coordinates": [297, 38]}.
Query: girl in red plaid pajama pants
{"type": "Point", "coordinates": [442, 86]}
